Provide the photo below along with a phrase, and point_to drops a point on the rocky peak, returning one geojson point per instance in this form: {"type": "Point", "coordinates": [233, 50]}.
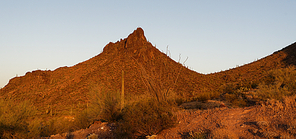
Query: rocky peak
{"type": "Point", "coordinates": [138, 34]}
{"type": "Point", "coordinates": [135, 40]}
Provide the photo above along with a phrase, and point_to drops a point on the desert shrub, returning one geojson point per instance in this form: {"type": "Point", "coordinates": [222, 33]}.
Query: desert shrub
{"type": "Point", "coordinates": [266, 92]}
{"type": "Point", "coordinates": [92, 136]}
{"type": "Point", "coordinates": [228, 88]}
{"type": "Point", "coordinates": [233, 94]}
{"type": "Point", "coordinates": [143, 118]}
{"type": "Point", "coordinates": [34, 128]}
{"type": "Point", "coordinates": [105, 105]}
{"type": "Point", "coordinates": [236, 99]}
{"type": "Point", "coordinates": [277, 84]}
{"type": "Point", "coordinates": [48, 128]}
{"type": "Point", "coordinates": [82, 119]}
{"type": "Point", "coordinates": [16, 120]}
{"type": "Point", "coordinates": [197, 135]}
{"type": "Point", "coordinates": [57, 125]}
{"type": "Point", "coordinates": [203, 97]}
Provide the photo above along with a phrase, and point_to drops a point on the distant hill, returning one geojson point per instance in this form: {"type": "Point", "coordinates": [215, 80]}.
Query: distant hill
{"type": "Point", "coordinates": [143, 65]}
{"type": "Point", "coordinates": [254, 71]}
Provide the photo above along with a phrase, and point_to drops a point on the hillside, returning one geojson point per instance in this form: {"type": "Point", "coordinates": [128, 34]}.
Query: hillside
{"type": "Point", "coordinates": [140, 61]}
{"type": "Point", "coordinates": [253, 72]}
{"type": "Point", "coordinates": [142, 64]}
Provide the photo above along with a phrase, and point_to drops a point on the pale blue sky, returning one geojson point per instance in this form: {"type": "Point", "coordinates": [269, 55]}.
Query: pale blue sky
{"type": "Point", "coordinates": [215, 35]}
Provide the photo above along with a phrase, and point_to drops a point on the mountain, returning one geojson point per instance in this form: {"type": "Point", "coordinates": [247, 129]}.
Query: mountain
{"type": "Point", "coordinates": [145, 68]}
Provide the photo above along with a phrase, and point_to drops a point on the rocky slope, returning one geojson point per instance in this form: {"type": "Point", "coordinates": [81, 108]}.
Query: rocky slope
{"type": "Point", "coordinates": [134, 55]}
{"type": "Point", "coordinates": [141, 63]}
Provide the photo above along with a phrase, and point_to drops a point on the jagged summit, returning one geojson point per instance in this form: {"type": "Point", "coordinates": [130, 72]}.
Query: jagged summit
{"type": "Point", "coordinates": [135, 40]}
{"type": "Point", "coordinates": [137, 34]}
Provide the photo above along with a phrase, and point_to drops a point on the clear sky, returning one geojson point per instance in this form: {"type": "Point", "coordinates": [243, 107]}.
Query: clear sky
{"type": "Point", "coordinates": [214, 35]}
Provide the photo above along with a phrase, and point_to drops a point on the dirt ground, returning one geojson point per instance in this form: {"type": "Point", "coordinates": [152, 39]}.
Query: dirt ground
{"type": "Point", "coordinates": [272, 119]}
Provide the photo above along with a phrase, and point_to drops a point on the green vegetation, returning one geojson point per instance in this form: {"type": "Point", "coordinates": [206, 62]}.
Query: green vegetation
{"type": "Point", "coordinates": [15, 120]}
{"type": "Point", "coordinates": [105, 105]}
{"type": "Point", "coordinates": [19, 120]}
{"type": "Point", "coordinates": [276, 84]}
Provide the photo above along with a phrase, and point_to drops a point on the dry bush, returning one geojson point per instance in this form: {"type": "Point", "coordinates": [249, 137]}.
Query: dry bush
{"type": "Point", "coordinates": [197, 135]}
{"type": "Point", "coordinates": [16, 120]}
{"type": "Point", "coordinates": [56, 126]}
{"type": "Point", "coordinates": [266, 92]}
{"type": "Point", "coordinates": [142, 115]}
{"type": "Point", "coordinates": [105, 105]}
{"type": "Point", "coordinates": [145, 118]}
{"type": "Point", "coordinates": [228, 88]}
{"type": "Point", "coordinates": [235, 94]}
{"type": "Point", "coordinates": [203, 97]}
{"type": "Point", "coordinates": [236, 99]}
{"type": "Point", "coordinates": [278, 84]}
{"type": "Point", "coordinates": [83, 119]}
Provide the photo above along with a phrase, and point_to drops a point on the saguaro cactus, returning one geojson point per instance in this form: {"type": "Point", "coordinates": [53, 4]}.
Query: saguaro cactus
{"type": "Point", "coordinates": [122, 91]}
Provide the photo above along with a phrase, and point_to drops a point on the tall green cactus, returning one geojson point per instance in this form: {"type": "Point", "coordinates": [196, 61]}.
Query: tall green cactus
{"type": "Point", "coordinates": [122, 91]}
